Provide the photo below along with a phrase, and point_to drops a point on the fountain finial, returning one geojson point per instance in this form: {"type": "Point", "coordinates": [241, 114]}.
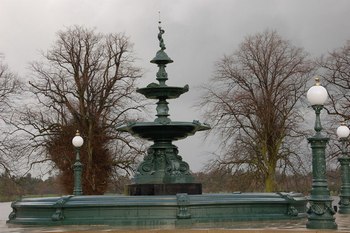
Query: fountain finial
{"type": "Point", "coordinates": [160, 34]}
{"type": "Point", "coordinates": [161, 57]}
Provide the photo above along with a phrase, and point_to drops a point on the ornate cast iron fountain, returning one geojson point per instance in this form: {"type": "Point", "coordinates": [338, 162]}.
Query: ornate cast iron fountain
{"type": "Point", "coordinates": [162, 170]}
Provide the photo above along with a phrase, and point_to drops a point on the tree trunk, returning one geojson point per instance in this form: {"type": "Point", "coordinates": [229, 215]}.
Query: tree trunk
{"type": "Point", "coordinates": [270, 179]}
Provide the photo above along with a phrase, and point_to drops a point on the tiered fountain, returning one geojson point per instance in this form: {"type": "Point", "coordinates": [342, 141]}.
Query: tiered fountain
{"type": "Point", "coordinates": [164, 193]}
{"type": "Point", "coordinates": [163, 171]}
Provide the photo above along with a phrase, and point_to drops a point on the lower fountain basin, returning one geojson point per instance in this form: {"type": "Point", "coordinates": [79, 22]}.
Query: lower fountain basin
{"type": "Point", "coordinates": [173, 130]}
{"type": "Point", "coordinates": [167, 211]}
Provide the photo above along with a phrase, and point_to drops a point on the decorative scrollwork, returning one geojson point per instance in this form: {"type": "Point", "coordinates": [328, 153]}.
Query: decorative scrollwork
{"type": "Point", "coordinates": [330, 209]}
{"type": "Point", "coordinates": [344, 201]}
{"type": "Point", "coordinates": [147, 166]}
{"type": "Point", "coordinates": [60, 202]}
{"type": "Point", "coordinates": [175, 165]}
{"type": "Point", "coordinates": [13, 214]}
{"type": "Point", "coordinates": [183, 201]}
{"type": "Point", "coordinates": [185, 168]}
{"type": "Point", "coordinates": [320, 209]}
{"type": "Point", "coordinates": [58, 215]}
{"type": "Point", "coordinates": [292, 211]}
{"type": "Point", "coordinates": [286, 196]}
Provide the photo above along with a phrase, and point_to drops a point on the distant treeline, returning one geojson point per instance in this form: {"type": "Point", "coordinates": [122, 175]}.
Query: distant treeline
{"type": "Point", "coordinates": [223, 181]}
{"type": "Point", "coordinates": [12, 188]}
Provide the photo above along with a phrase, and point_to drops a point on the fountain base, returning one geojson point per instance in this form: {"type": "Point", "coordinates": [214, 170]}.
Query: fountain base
{"type": "Point", "coordinates": [163, 189]}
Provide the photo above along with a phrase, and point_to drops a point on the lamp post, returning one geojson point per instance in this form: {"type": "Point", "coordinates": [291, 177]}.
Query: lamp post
{"type": "Point", "coordinates": [77, 142]}
{"type": "Point", "coordinates": [344, 203]}
{"type": "Point", "coordinates": [320, 212]}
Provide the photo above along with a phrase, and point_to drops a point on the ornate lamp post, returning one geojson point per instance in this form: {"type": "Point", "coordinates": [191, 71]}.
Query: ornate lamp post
{"type": "Point", "coordinates": [77, 142]}
{"type": "Point", "coordinates": [320, 212]}
{"type": "Point", "coordinates": [344, 204]}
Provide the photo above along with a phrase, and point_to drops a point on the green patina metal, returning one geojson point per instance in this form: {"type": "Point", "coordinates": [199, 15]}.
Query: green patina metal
{"type": "Point", "coordinates": [163, 164]}
{"type": "Point", "coordinates": [344, 203]}
{"type": "Point", "coordinates": [320, 212]}
{"type": "Point", "coordinates": [78, 169]}
{"type": "Point", "coordinates": [167, 211]}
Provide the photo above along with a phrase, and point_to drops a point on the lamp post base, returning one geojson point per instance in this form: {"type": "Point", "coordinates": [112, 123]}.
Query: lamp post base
{"type": "Point", "coordinates": [320, 215]}
{"type": "Point", "coordinates": [320, 212]}
{"type": "Point", "coordinates": [321, 224]}
{"type": "Point", "coordinates": [344, 205]}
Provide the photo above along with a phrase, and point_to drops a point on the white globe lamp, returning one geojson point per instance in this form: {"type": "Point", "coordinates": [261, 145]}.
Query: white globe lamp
{"type": "Point", "coordinates": [343, 131]}
{"type": "Point", "coordinates": [317, 95]}
{"type": "Point", "coordinates": [77, 141]}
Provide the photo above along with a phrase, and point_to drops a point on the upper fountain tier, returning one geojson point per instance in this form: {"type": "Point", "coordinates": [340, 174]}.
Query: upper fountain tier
{"type": "Point", "coordinates": [161, 90]}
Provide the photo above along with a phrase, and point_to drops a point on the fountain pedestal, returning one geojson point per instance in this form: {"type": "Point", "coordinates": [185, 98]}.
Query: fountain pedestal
{"type": "Point", "coordinates": [163, 173]}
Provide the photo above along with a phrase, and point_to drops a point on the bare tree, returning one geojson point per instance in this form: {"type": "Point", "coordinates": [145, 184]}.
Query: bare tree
{"type": "Point", "coordinates": [252, 102]}
{"type": "Point", "coordinates": [86, 81]}
{"type": "Point", "coordinates": [9, 87]}
{"type": "Point", "coordinates": [336, 70]}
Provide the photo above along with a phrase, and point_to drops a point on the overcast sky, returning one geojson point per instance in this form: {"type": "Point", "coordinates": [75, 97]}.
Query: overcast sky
{"type": "Point", "coordinates": [197, 33]}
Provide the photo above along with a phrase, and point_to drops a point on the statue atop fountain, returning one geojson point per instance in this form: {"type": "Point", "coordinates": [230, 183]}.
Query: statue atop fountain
{"type": "Point", "coordinates": [163, 171]}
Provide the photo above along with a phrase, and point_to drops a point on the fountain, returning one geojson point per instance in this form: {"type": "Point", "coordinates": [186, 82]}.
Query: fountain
{"type": "Point", "coordinates": [163, 171]}
{"type": "Point", "coordinates": [164, 193]}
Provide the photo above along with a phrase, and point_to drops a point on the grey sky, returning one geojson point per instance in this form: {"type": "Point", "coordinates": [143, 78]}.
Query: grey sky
{"type": "Point", "coordinates": [198, 33]}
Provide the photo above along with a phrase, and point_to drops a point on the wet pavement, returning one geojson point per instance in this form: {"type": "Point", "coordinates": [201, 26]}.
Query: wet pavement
{"type": "Point", "coordinates": [343, 222]}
